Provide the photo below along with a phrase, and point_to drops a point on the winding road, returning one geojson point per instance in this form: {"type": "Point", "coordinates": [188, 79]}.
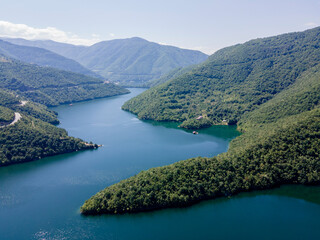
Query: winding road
{"type": "Point", "coordinates": [17, 117]}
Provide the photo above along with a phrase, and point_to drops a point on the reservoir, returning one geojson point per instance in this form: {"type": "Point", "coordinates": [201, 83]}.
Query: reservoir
{"type": "Point", "coordinates": [41, 199]}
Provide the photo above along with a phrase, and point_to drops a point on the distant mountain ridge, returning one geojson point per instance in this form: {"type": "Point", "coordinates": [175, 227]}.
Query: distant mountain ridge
{"type": "Point", "coordinates": [43, 57]}
{"type": "Point", "coordinates": [63, 49]}
{"type": "Point", "coordinates": [130, 62]}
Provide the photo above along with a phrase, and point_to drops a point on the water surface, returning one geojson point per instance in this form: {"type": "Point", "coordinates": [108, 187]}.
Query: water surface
{"type": "Point", "coordinates": [41, 199]}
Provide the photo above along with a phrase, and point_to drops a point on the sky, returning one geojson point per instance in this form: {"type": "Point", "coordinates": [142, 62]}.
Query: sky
{"type": "Point", "coordinates": [205, 25]}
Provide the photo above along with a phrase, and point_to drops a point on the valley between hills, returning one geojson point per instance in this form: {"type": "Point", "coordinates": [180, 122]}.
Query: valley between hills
{"type": "Point", "coordinates": [269, 88]}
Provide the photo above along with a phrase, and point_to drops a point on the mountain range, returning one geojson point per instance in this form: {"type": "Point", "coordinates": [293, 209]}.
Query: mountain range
{"type": "Point", "coordinates": [129, 62]}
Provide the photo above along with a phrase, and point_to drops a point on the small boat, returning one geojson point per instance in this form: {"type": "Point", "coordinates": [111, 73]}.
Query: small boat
{"type": "Point", "coordinates": [195, 132]}
{"type": "Point", "coordinates": [70, 104]}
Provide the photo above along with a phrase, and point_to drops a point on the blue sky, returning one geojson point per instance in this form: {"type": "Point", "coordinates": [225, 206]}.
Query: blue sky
{"type": "Point", "coordinates": [199, 24]}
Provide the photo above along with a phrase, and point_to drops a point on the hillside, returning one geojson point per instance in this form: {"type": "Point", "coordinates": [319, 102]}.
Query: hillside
{"type": "Point", "coordinates": [50, 86]}
{"type": "Point", "coordinates": [27, 132]}
{"type": "Point", "coordinates": [32, 139]}
{"type": "Point", "coordinates": [10, 101]}
{"type": "Point", "coordinates": [280, 145]}
{"type": "Point", "coordinates": [170, 75]}
{"type": "Point", "coordinates": [232, 81]}
{"type": "Point", "coordinates": [32, 136]}
{"type": "Point", "coordinates": [43, 57]}
{"type": "Point", "coordinates": [130, 62]}
{"type": "Point", "coordinates": [302, 95]}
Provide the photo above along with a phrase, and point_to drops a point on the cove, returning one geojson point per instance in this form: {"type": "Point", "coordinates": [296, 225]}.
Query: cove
{"type": "Point", "coordinates": [41, 199]}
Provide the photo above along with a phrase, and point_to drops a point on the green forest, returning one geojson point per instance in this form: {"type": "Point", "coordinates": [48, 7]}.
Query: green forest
{"type": "Point", "coordinates": [34, 136]}
{"type": "Point", "coordinates": [32, 139]}
{"type": "Point", "coordinates": [280, 141]}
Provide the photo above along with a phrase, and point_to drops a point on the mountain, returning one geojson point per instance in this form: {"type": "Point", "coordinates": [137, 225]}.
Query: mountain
{"type": "Point", "coordinates": [280, 143]}
{"type": "Point", "coordinates": [129, 62]}
{"type": "Point", "coordinates": [135, 60]}
{"type": "Point", "coordinates": [233, 81]}
{"type": "Point", "coordinates": [43, 57]}
{"type": "Point", "coordinates": [50, 86]}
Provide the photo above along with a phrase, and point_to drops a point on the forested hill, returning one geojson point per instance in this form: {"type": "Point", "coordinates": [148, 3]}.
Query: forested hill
{"type": "Point", "coordinates": [32, 136]}
{"type": "Point", "coordinates": [280, 144]}
{"type": "Point", "coordinates": [50, 86]}
{"type": "Point", "coordinates": [43, 57]}
{"type": "Point", "coordinates": [130, 62]}
{"type": "Point", "coordinates": [231, 82]}
{"type": "Point", "coordinates": [27, 132]}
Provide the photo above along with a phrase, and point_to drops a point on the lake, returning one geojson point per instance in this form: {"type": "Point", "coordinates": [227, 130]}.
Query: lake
{"type": "Point", "coordinates": [41, 199]}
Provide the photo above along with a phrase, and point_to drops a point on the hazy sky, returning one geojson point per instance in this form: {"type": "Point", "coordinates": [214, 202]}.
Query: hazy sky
{"type": "Point", "coordinates": [205, 25]}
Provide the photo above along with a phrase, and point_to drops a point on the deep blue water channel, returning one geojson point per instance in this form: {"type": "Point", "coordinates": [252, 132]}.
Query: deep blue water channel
{"type": "Point", "coordinates": [41, 199]}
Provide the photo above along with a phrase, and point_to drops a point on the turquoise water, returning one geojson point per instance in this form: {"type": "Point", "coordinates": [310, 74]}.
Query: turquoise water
{"type": "Point", "coordinates": [41, 199]}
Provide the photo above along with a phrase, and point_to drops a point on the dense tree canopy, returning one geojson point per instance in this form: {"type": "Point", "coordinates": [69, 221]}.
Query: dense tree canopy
{"type": "Point", "coordinates": [32, 139]}
{"type": "Point", "coordinates": [33, 136]}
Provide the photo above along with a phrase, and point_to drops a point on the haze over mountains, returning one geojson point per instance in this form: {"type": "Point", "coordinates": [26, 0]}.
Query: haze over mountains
{"type": "Point", "coordinates": [129, 62]}
{"type": "Point", "coordinates": [43, 57]}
